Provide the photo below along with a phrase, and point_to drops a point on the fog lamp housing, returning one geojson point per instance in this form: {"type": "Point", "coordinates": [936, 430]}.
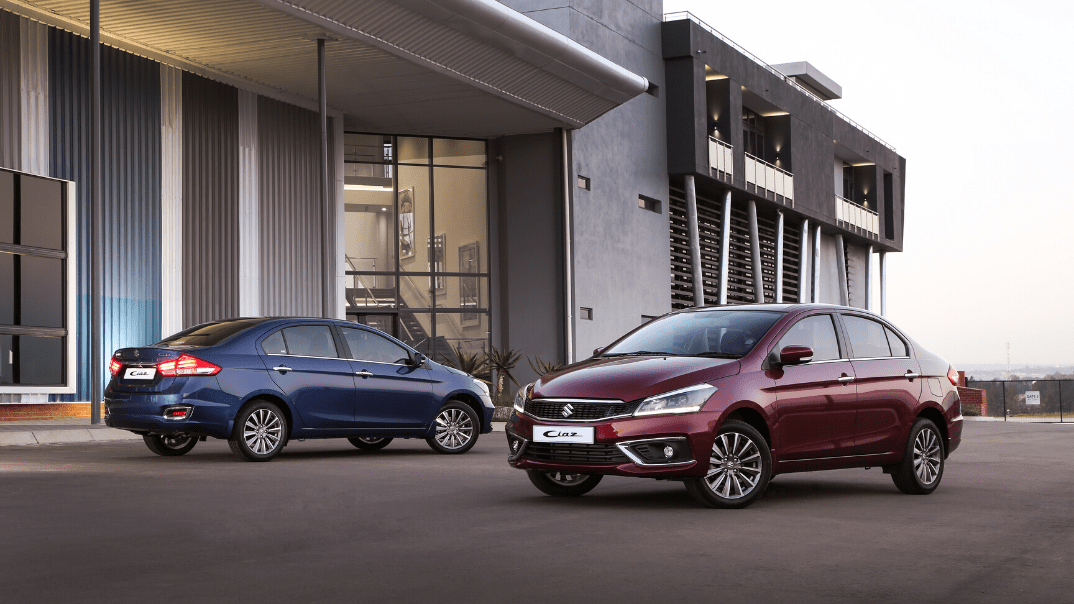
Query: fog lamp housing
{"type": "Point", "coordinates": [516, 446]}
{"type": "Point", "coordinates": [658, 451]}
{"type": "Point", "coordinates": [178, 412]}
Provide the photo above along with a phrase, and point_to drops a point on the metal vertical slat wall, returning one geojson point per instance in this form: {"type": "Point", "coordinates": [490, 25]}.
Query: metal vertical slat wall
{"type": "Point", "coordinates": [131, 185]}
{"type": "Point", "coordinates": [288, 143]}
{"type": "Point", "coordinates": [130, 201]}
{"type": "Point", "coordinates": [249, 213]}
{"type": "Point", "coordinates": [792, 244]}
{"type": "Point", "coordinates": [34, 102]}
{"type": "Point", "coordinates": [210, 200]}
{"type": "Point", "coordinates": [10, 101]}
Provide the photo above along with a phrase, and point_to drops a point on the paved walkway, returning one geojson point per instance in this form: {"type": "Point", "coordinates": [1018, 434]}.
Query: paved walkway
{"type": "Point", "coordinates": [80, 430]}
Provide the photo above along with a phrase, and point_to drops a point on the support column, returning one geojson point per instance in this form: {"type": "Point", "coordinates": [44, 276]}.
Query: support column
{"type": "Point", "coordinates": [327, 245]}
{"type": "Point", "coordinates": [249, 208]}
{"type": "Point", "coordinates": [171, 200]}
{"type": "Point", "coordinates": [805, 292]}
{"type": "Point", "coordinates": [725, 247]}
{"type": "Point", "coordinates": [695, 241]}
{"type": "Point", "coordinates": [816, 265]}
{"type": "Point", "coordinates": [779, 259]}
{"type": "Point", "coordinates": [755, 254]}
{"type": "Point", "coordinates": [869, 279]}
{"type": "Point", "coordinates": [883, 283]}
{"type": "Point", "coordinates": [95, 213]}
{"type": "Point", "coordinates": [841, 259]}
{"type": "Point", "coordinates": [568, 242]}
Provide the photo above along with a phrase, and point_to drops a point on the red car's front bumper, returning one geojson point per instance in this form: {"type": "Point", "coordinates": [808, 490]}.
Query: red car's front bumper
{"type": "Point", "coordinates": [632, 446]}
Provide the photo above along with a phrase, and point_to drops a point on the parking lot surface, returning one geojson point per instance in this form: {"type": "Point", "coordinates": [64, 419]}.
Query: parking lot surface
{"type": "Point", "coordinates": [324, 522]}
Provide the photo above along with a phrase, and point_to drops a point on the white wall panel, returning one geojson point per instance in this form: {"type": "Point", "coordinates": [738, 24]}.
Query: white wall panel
{"type": "Point", "coordinates": [171, 200]}
{"type": "Point", "coordinates": [249, 209]}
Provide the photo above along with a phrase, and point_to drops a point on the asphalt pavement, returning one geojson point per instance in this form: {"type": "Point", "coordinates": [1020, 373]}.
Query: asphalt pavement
{"type": "Point", "coordinates": [324, 522]}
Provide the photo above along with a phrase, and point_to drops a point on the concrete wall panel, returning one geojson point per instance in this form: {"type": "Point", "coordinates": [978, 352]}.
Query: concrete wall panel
{"type": "Point", "coordinates": [171, 200]}
{"type": "Point", "coordinates": [34, 102]}
{"type": "Point", "coordinates": [10, 91]}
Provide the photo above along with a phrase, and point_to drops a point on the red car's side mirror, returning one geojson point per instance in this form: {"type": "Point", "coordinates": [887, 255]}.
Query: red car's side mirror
{"type": "Point", "coordinates": [795, 355]}
{"type": "Point", "coordinates": [597, 351]}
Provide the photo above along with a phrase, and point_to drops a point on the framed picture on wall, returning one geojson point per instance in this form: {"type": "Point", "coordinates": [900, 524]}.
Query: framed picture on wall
{"type": "Point", "coordinates": [469, 288]}
{"type": "Point", "coordinates": [406, 223]}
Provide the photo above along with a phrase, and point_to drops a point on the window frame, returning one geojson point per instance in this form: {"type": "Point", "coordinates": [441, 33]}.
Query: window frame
{"type": "Point", "coordinates": [70, 295]}
{"type": "Point", "coordinates": [850, 346]}
{"type": "Point", "coordinates": [335, 342]}
{"type": "Point", "coordinates": [350, 355]}
{"type": "Point", "coordinates": [840, 341]}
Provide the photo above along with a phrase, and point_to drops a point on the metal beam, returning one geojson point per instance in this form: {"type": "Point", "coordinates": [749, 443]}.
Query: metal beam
{"type": "Point", "coordinates": [779, 259]}
{"type": "Point", "coordinates": [695, 241]}
{"type": "Point", "coordinates": [95, 213]}
{"type": "Point", "coordinates": [725, 247]}
{"type": "Point", "coordinates": [755, 254]}
{"type": "Point", "coordinates": [869, 279]}
{"type": "Point", "coordinates": [883, 283]}
{"type": "Point", "coordinates": [816, 265]}
{"type": "Point", "coordinates": [327, 245]}
{"type": "Point", "coordinates": [841, 260]}
{"type": "Point", "coordinates": [805, 292]}
{"type": "Point", "coordinates": [568, 238]}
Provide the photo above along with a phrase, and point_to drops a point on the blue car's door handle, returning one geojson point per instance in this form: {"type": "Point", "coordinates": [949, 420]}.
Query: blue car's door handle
{"type": "Point", "coordinates": [364, 373]}
{"type": "Point", "coordinates": [282, 368]}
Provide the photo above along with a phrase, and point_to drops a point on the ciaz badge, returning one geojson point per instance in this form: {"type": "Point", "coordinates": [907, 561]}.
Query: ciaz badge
{"type": "Point", "coordinates": [563, 434]}
{"type": "Point", "coordinates": [140, 373]}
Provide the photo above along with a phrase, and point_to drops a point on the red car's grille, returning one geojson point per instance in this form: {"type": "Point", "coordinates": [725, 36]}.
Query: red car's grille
{"type": "Point", "coordinates": [575, 453]}
{"type": "Point", "coordinates": [578, 410]}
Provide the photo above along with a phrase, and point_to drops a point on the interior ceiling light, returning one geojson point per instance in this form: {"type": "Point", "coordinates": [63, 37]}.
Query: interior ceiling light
{"type": "Point", "coordinates": [714, 76]}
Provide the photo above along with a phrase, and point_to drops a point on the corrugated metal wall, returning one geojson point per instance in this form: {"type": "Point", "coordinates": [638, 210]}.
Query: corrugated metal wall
{"type": "Point", "coordinates": [249, 212]}
{"type": "Point", "coordinates": [34, 105]}
{"type": "Point", "coordinates": [288, 149]}
{"type": "Point", "coordinates": [10, 102]}
{"type": "Point", "coordinates": [210, 200]}
{"type": "Point", "coordinates": [130, 187]}
{"type": "Point", "coordinates": [171, 200]}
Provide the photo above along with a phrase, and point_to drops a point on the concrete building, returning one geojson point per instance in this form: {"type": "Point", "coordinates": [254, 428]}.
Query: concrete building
{"type": "Point", "coordinates": [539, 175]}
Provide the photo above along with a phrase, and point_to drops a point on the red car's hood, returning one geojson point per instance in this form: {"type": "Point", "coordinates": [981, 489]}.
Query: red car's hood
{"type": "Point", "coordinates": [631, 378]}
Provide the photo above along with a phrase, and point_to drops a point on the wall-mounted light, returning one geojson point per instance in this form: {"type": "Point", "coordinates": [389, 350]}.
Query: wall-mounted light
{"type": "Point", "coordinates": [367, 188]}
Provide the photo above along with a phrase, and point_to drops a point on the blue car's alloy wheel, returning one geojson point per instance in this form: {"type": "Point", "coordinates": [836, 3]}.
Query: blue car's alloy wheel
{"type": "Point", "coordinates": [455, 430]}
{"type": "Point", "coordinates": [260, 432]}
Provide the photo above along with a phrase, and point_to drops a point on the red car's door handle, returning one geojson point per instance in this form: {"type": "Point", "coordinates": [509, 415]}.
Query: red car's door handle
{"type": "Point", "coordinates": [846, 379]}
{"type": "Point", "coordinates": [911, 375]}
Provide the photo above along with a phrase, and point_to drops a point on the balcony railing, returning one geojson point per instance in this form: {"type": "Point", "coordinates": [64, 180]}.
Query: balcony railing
{"type": "Point", "coordinates": [679, 16]}
{"type": "Point", "coordinates": [850, 214]}
{"type": "Point", "coordinates": [721, 159]}
{"type": "Point", "coordinates": [767, 178]}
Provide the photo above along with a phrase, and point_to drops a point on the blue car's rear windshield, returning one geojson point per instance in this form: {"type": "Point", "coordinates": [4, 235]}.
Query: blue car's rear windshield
{"type": "Point", "coordinates": [207, 334]}
{"type": "Point", "coordinates": [715, 333]}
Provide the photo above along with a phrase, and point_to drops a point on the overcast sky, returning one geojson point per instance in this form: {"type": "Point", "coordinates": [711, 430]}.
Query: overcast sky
{"type": "Point", "coordinates": [978, 97]}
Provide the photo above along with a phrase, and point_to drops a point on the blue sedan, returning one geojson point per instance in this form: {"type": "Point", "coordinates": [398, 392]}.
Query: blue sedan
{"type": "Point", "coordinates": [260, 382]}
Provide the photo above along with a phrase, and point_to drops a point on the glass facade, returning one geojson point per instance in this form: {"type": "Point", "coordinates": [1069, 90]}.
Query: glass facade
{"type": "Point", "coordinates": [33, 280]}
{"type": "Point", "coordinates": [417, 240]}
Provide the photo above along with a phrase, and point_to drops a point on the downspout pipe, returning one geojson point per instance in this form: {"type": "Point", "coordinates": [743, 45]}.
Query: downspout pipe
{"type": "Point", "coordinates": [869, 279]}
{"type": "Point", "coordinates": [841, 260]}
{"type": "Point", "coordinates": [568, 258]}
{"type": "Point", "coordinates": [779, 259]}
{"type": "Point", "coordinates": [883, 283]}
{"type": "Point", "coordinates": [725, 247]}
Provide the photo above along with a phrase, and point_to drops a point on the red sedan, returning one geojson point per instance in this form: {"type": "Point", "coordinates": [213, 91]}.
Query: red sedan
{"type": "Point", "coordinates": [725, 398]}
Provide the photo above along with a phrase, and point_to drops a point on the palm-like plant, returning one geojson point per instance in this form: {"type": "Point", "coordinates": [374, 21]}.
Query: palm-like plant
{"type": "Point", "coordinates": [541, 367]}
{"type": "Point", "coordinates": [502, 362]}
{"type": "Point", "coordinates": [475, 363]}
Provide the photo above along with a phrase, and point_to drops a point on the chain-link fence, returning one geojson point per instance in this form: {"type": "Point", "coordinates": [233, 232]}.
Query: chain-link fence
{"type": "Point", "coordinates": [1028, 400]}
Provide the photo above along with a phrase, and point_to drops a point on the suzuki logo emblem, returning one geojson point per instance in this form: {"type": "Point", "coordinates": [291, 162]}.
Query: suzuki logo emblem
{"type": "Point", "coordinates": [568, 410]}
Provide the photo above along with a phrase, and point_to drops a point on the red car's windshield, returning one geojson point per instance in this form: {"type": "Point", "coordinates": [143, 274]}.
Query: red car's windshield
{"type": "Point", "coordinates": [716, 333]}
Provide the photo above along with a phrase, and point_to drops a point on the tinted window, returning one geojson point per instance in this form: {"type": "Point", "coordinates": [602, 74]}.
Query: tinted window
{"type": "Point", "coordinates": [867, 338]}
{"type": "Point", "coordinates": [7, 207]}
{"type": "Point", "coordinates": [208, 334]}
{"type": "Point", "coordinates": [368, 346]}
{"type": "Point", "coordinates": [274, 344]}
{"type": "Point", "coordinates": [40, 212]}
{"type": "Point", "coordinates": [816, 332]}
{"type": "Point", "coordinates": [898, 347]}
{"type": "Point", "coordinates": [41, 291]}
{"type": "Point", "coordinates": [714, 333]}
{"type": "Point", "coordinates": [310, 341]}
{"type": "Point", "coordinates": [39, 361]}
